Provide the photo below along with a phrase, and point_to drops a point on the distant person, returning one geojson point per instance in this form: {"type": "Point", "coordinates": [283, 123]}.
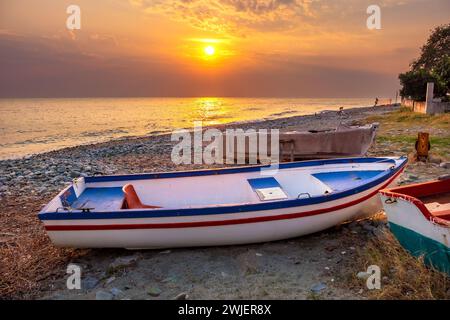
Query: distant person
{"type": "Point", "coordinates": [376, 102]}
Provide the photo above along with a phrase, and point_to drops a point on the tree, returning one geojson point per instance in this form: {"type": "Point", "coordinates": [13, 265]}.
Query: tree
{"type": "Point", "coordinates": [436, 51]}
{"type": "Point", "coordinates": [433, 65]}
{"type": "Point", "coordinates": [414, 84]}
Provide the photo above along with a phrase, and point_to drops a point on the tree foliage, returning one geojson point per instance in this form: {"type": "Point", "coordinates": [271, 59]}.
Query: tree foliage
{"type": "Point", "coordinates": [414, 84]}
{"type": "Point", "coordinates": [433, 65]}
{"type": "Point", "coordinates": [436, 51]}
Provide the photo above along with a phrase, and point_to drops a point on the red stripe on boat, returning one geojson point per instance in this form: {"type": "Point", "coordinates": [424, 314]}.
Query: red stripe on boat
{"type": "Point", "coordinates": [214, 223]}
{"type": "Point", "coordinates": [412, 192]}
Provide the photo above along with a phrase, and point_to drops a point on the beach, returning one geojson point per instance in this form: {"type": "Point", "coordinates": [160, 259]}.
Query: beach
{"type": "Point", "coordinates": [322, 265]}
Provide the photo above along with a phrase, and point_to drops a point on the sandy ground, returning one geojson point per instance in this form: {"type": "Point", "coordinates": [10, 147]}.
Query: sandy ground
{"type": "Point", "coordinates": [318, 266]}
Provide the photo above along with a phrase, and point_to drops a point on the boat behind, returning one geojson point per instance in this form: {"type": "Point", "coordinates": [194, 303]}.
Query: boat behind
{"type": "Point", "coordinates": [217, 207]}
{"type": "Point", "coordinates": [419, 217]}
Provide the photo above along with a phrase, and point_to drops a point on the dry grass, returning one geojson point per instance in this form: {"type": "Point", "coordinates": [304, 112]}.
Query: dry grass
{"type": "Point", "coordinates": [405, 118]}
{"type": "Point", "coordinates": [399, 129]}
{"type": "Point", "coordinates": [28, 260]}
{"type": "Point", "coordinates": [404, 276]}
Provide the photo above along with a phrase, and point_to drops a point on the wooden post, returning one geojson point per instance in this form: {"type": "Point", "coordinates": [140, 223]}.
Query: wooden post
{"type": "Point", "coordinates": [422, 146]}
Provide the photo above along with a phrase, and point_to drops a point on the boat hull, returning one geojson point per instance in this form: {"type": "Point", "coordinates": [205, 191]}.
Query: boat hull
{"type": "Point", "coordinates": [215, 229]}
{"type": "Point", "coordinates": [416, 229]}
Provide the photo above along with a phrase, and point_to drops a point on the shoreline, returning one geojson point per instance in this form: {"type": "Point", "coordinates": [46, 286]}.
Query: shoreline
{"type": "Point", "coordinates": [33, 268]}
{"type": "Point", "coordinates": [244, 123]}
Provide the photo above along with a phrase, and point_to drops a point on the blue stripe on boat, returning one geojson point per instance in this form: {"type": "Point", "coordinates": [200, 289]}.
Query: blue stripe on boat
{"type": "Point", "coordinates": [161, 213]}
{"type": "Point", "coordinates": [181, 174]}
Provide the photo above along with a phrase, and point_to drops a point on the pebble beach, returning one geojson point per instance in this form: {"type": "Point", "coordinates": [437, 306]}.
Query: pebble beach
{"type": "Point", "coordinates": [321, 265]}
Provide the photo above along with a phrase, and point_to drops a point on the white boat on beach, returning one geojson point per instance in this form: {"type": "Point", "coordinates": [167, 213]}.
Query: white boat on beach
{"type": "Point", "coordinates": [217, 207]}
{"type": "Point", "coordinates": [340, 142]}
{"type": "Point", "coordinates": [343, 141]}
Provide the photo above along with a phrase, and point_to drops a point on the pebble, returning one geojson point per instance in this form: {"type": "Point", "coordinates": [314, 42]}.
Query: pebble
{"type": "Point", "coordinates": [154, 291]}
{"type": "Point", "coordinates": [103, 295]}
{"type": "Point", "coordinates": [116, 292]}
{"type": "Point", "coordinates": [363, 275]}
{"type": "Point", "coordinates": [182, 296]}
{"type": "Point", "coordinates": [109, 280]}
{"type": "Point", "coordinates": [89, 283]}
{"type": "Point", "coordinates": [445, 165]}
{"type": "Point", "coordinates": [318, 287]}
{"type": "Point", "coordinates": [123, 262]}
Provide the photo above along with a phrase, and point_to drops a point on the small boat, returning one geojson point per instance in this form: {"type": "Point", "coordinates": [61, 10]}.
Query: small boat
{"type": "Point", "coordinates": [419, 217]}
{"type": "Point", "coordinates": [341, 142]}
{"type": "Point", "coordinates": [217, 207]}
{"type": "Point", "coordinates": [344, 141]}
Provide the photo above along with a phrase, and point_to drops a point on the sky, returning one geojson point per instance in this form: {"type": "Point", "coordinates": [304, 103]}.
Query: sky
{"type": "Point", "coordinates": [262, 48]}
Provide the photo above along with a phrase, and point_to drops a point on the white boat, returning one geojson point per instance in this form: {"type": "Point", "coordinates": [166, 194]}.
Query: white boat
{"type": "Point", "coordinates": [344, 141]}
{"type": "Point", "coordinates": [341, 142]}
{"type": "Point", "coordinates": [217, 207]}
{"type": "Point", "coordinates": [419, 217]}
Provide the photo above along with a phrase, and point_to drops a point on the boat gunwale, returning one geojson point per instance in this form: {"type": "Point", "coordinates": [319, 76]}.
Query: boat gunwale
{"type": "Point", "coordinates": [396, 193]}
{"type": "Point", "coordinates": [229, 209]}
{"type": "Point", "coordinates": [232, 170]}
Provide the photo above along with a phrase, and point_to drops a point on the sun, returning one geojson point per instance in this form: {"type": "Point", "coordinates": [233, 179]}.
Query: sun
{"type": "Point", "coordinates": [209, 50]}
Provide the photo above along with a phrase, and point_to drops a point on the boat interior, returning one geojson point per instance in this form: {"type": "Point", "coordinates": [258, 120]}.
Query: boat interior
{"type": "Point", "coordinates": [438, 205]}
{"type": "Point", "coordinates": [434, 195]}
{"type": "Point", "coordinates": [215, 189]}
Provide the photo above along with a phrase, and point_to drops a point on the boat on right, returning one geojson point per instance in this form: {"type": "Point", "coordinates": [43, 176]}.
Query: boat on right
{"type": "Point", "coordinates": [419, 217]}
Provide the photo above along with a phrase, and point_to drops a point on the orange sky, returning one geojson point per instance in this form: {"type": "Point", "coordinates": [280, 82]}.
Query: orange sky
{"type": "Point", "coordinates": [296, 48]}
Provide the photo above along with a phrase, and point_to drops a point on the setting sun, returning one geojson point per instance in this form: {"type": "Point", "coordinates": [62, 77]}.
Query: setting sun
{"type": "Point", "coordinates": [209, 50]}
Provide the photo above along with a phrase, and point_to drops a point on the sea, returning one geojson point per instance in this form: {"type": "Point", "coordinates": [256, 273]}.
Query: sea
{"type": "Point", "coordinates": [31, 126]}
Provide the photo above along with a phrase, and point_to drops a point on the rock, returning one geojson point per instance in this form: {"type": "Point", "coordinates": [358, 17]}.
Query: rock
{"type": "Point", "coordinates": [75, 174]}
{"type": "Point", "coordinates": [368, 227]}
{"type": "Point", "coordinates": [445, 165]}
{"type": "Point", "coordinates": [89, 283]}
{"type": "Point", "coordinates": [116, 292]}
{"type": "Point", "coordinates": [153, 291]}
{"type": "Point", "coordinates": [413, 177]}
{"type": "Point", "coordinates": [123, 262]}
{"type": "Point", "coordinates": [182, 296]}
{"type": "Point", "coordinates": [103, 295]}
{"type": "Point", "coordinates": [109, 280]}
{"type": "Point", "coordinates": [363, 275]}
{"type": "Point", "coordinates": [168, 279]}
{"type": "Point", "coordinates": [318, 287]}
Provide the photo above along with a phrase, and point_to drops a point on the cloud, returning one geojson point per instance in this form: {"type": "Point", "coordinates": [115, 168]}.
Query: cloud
{"type": "Point", "coordinates": [234, 17]}
{"type": "Point", "coordinates": [39, 69]}
{"type": "Point", "coordinates": [240, 17]}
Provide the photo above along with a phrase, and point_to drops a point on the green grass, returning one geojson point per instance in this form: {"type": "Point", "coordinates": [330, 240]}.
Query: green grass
{"type": "Point", "coordinates": [440, 146]}
{"type": "Point", "coordinates": [436, 142]}
{"type": "Point", "coordinates": [405, 117]}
